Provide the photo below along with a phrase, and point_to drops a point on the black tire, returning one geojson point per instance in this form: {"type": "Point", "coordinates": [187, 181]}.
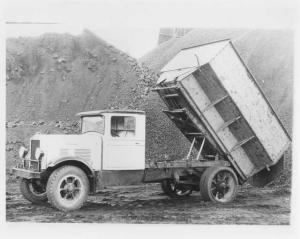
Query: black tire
{"type": "Point", "coordinates": [175, 191]}
{"type": "Point", "coordinates": [67, 188]}
{"type": "Point", "coordinates": [218, 184]}
{"type": "Point", "coordinates": [33, 191]}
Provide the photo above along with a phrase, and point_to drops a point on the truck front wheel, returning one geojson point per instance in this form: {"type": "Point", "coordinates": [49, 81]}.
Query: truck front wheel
{"type": "Point", "coordinates": [33, 191]}
{"type": "Point", "coordinates": [67, 188]}
{"type": "Point", "coordinates": [218, 184]}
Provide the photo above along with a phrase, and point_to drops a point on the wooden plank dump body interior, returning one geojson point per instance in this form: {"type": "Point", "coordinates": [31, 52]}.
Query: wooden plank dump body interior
{"type": "Point", "coordinates": [212, 96]}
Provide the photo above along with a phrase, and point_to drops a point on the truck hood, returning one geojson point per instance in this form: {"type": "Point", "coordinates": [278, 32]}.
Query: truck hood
{"type": "Point", "coordinates": [86, 147]}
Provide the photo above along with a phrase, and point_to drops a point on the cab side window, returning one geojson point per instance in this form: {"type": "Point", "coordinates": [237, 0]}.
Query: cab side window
{"type": "Point", "coordinates": [123, 126]}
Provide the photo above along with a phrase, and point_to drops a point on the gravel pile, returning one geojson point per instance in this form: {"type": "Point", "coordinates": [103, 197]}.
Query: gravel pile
{"type": "Point", "coordinates": [52, 77]}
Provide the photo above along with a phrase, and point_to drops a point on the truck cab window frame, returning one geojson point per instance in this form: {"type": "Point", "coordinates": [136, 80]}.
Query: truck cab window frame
{"type": "Point", "coordinates": [93, 124]}
{"type": "Point", "coordinates": [123, 126]}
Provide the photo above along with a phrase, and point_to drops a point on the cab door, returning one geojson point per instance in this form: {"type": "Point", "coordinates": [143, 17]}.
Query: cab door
{"type": "Point", "coordinates": [124, 147]}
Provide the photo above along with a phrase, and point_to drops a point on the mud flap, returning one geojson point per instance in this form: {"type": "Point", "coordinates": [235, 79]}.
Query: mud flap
{"type": "Point", "coordinates": [265, 177]}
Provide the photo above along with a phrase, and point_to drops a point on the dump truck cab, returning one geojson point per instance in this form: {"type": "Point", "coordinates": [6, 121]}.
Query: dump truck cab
{"type": "Point", "coordinates": [109, 151]}
{"type": "Point", "coordinates": [123, 138]}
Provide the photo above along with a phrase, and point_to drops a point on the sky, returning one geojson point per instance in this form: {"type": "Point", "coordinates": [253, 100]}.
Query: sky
{"type": "Point", "coordinates": [133, 25]}
{"type": "Point", "coordinates": [134, 41]}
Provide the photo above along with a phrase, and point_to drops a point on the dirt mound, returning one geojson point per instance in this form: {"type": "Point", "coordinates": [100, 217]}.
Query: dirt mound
{"type": "Point", "coordinates": [52, 77]}
{"type": "Point", "coordinates": [55, 76]}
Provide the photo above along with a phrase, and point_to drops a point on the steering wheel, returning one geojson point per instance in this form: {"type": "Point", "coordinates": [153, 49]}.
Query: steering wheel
{"type": "Point", "coordinates": [114, 133]}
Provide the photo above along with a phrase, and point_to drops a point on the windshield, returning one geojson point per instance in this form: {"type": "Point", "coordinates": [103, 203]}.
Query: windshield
{"type": "Point", "coordinates": [93, 123]}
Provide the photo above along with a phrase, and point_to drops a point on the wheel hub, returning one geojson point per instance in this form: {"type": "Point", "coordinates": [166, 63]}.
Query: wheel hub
{"type": "Point", "coordinates": [70, 187]}
{"type": "Point", "coordinates": [222, 185]}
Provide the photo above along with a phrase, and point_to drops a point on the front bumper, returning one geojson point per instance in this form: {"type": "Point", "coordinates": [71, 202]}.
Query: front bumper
{"type": "Point", "coordinates": [25, 173]}
{"type": "Point", "coordinates": [29, 167]}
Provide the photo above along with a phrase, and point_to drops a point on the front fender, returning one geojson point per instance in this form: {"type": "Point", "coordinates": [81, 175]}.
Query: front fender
{"type": "Point", "coordinates": [74, 161]}
{"type": "Point", "coordinates": [71, 160]}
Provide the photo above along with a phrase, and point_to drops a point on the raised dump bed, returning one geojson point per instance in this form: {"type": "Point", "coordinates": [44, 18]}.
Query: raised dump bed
{"type": "Point", "coordinates": [216, 103]}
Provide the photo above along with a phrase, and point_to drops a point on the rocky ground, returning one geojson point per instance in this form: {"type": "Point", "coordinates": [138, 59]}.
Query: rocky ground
{"type": "Point", "coordinates": [147, 204]}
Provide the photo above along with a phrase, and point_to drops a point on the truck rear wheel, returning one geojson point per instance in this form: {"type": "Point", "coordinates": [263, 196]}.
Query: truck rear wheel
{"type": "Point", "coordinates": [175, 191]}
{"type": "Point", "coordinates": [33, 191]}
{"type": "Point", "coordinates": [218, 184]}
{"type": "Point", "coordinates": [67, 188]}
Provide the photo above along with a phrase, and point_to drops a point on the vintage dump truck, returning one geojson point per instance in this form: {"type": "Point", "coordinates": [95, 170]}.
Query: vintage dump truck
{"type": "Point", "coordinates": [214, 101]}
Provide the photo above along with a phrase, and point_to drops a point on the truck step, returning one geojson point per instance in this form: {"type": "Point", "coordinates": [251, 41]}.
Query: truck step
{"type": "Point", "coordinates": [165, 88]}
{"type": "Point", "coordinates": [177, 111]}
{"type": "Point", "coordinates": [194, 134]}
{"type": "Point", "coordinates": [181, 124]}
{"type": "Point", "coordinates": [239, 144]}
{"type": "Point", "coordinates": [171, 95]}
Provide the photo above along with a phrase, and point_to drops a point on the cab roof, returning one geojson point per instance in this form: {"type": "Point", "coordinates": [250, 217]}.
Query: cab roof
{"type": "Point", "coordinates": [100, 112]}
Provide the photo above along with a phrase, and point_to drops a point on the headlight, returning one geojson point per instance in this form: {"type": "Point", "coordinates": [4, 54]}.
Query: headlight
{"type": "Point", "coordinates": [39, 153]}
{"type": "Point", "coordinates": [23, 152]}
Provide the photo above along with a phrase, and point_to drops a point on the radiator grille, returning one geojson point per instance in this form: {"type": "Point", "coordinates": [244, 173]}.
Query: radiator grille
{"type": "Point", "coordinates": [34, 144]}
